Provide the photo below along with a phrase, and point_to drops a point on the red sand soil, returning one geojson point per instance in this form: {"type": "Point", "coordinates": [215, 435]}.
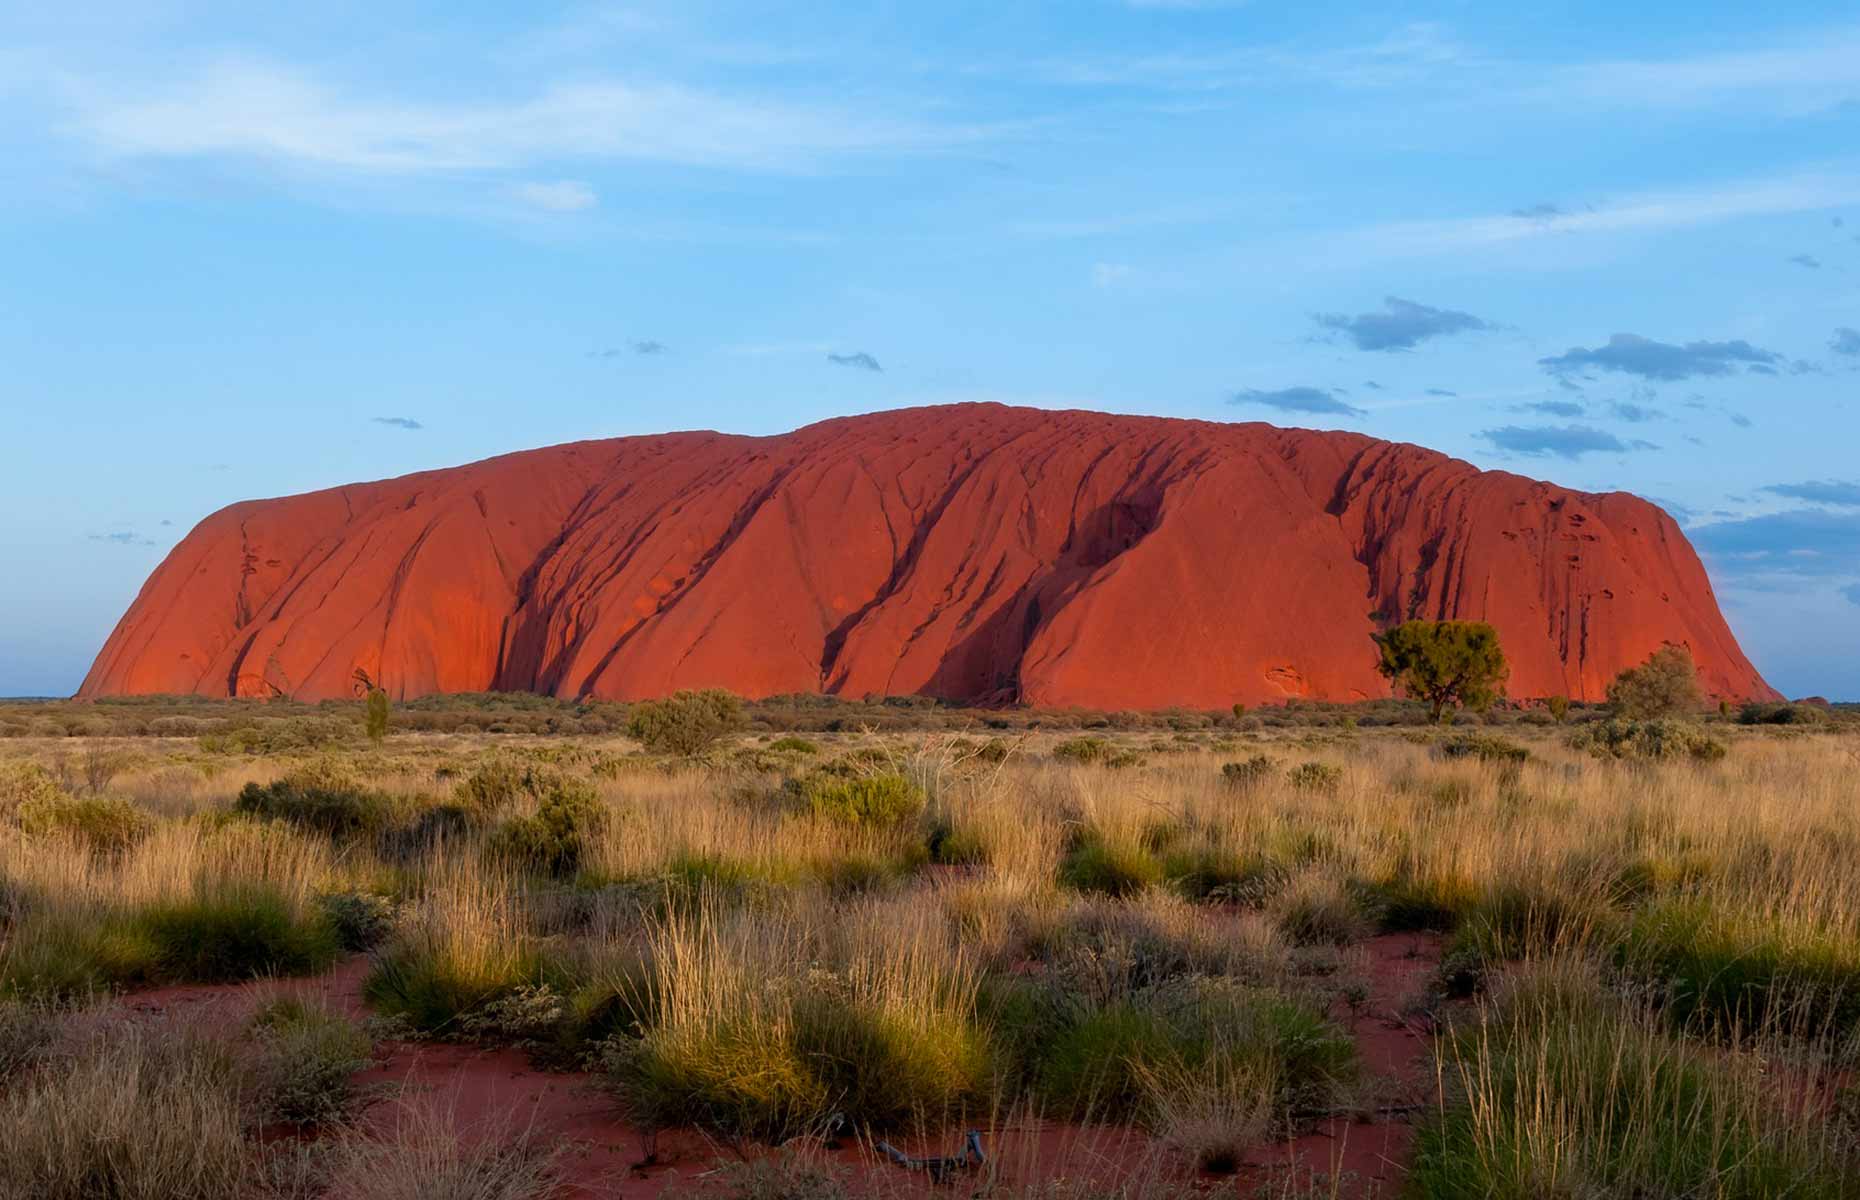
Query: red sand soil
{"type": "Point", "coordinates": [1368, 1158]}
{"type": "Point", "coordinates": [972, 552]}
{"type": "Point", "coordinates": [497, 1092]}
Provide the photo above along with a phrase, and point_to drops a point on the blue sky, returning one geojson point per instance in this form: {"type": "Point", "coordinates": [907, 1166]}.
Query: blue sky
{"type": "Point", "coordinates": [250, 251]}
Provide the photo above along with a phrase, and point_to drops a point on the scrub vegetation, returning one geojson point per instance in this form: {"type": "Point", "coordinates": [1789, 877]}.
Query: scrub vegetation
{"type": "Point", "coordinates": [775, 926]}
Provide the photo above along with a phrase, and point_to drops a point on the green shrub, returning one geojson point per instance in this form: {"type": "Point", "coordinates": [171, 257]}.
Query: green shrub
{"type": "Point", "coordinates": [553, 839]}
{"type": "Point", "coordinates": [104, 824]}
{"type": "Point", "coordinates": [1097, 867]}
{"type": "Point", "coordinates": [303, 1064]}
{"type": "Point", "coordinates": [75, 954]}
{"type": "Point", "coordinates": [954, 845]}
{"type": "Point", "coordinates": [322, 798]}
{"type": "Point", "coordinates": [435, 990]}
{"type": "Point", "coordinates": [236, 933]}
{"type": "Point", "coordinates": [1564, 1091]}
{"type": "Point", "coordinates": [1657, 740]}
{"type": "Point", "coordinates": [878, 800]}
{"type": "Point", "coordinates": [133, 1114]}
{"type": "Point", "coordinates": [1095, 1063]}
{"type": "Point", "coordinates": [1512, 920]}
{"type": "Point", "coordinates": [495, 785]}
{"type": "Point", "coordinates": [1722, 971]}
{"type": "Point", "coordinates": [27, 785]}
{"type": "Point", "coordinates": [686, 723]}
{"type": "Point", "coordinates": [1759, 713]}
{"type": "Point", "coordinates": [1095, 751]}
{"type": "Point", "coordinates": [754, 1074]}
{"type": "Point", "coordinates": [1486, 747]}
{"type": "Point", "coordinates": [289, 736]}
{"type": "Point", "coordinates": [793, 745]}
{"type": "Point", "coordinates": [1316, 908]}
{"type": "Point", "coordinates": [360, 920]}
{"type": "Point", "coordinates": [529, 1015]}
{"type": "Point", "coordinates": [1249, 772]}
{"type": "Point", "coordinates": [1083, 749]}
{"type": "Point", "coordinates": [1209, 873]}
{"type": "Point", "coordinates": [1316, 777]}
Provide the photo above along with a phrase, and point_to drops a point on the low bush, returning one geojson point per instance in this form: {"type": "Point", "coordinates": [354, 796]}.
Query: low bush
{"type": "Point", "coordinates": [456, 951]}
{"type": "Point", "coordinates": [360, 920]}
{"type": "Point", "coordinates": [953, 844]}
{"type": "Point", "coordinates": [686, 723]}
{"type": "Point", "coordinates": [1560, 1089]}
{"type": "Point", "coordinates": [742, 1037]}
{"type": "Point", "coordinates": [323, 797]}
{"type": "Point", "coordinates": [1655, 740]}
{"type": "Point", "coordinates": [1249, 772]}
{"type": "Point", "coordinates": [1722, 971]}
{"type": "Point", "coordinates": [1316, 777]}
{"type": "Point", "coordinates": [882, 800]}
{"type": "Point", "coordinates": [430, 1153]}
{"type": "Point", "coordinates": [236, 932]}
{"type": "Point", "coordinates": [1106, 1062]}
{"type": "Point", "coordinates": [1213, 873]}
{"type": "Point", "coordinates": [495, 785]}
{"type": "Point", "coordinates": [1317, 907]}
{"type": "Point", "coordinates": [26, 785]}
{"type": "Point", "coordinates": [1095, 751]}
{"type": "Point", "coordinates": [794, 745]}
{"type": "Point", "coordinates": [554, 838]}
{"type": "Point", "coordinates": [303, 1063]}
{"type": "Point", "coordinates": [1485, 747]}
{"type": "Point", "coordinates": [291, 735]}
{"type": "Point", "coordinates": [1099, 867]}
{"type": "Point", "coordinates": [105, 824]}
{"type": "Point", "coordinates": [133, 1114]}
{"type": "Point", "coordinates": [1758, 713]}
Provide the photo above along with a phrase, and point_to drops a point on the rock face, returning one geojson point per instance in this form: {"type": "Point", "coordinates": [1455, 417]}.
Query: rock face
{"type": "Point", "coordinates": [972, 552]}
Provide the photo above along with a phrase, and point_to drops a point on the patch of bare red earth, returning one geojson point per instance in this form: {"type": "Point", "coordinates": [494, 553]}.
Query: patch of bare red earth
{"type": "Point", "coordinates": [496, 1092]}
{"type": "Point", "coordinates": [1350, 1156]}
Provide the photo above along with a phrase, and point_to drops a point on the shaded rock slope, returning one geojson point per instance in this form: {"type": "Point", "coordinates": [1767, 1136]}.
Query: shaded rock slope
{"type": "Point", "coordinates": [973, 552]}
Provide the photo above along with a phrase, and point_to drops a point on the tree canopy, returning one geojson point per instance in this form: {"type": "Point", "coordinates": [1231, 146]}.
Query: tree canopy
{"type": "Point", "coordinates": [1665, 685]}
{"type": "Point", "coordinates": [1447, 663]}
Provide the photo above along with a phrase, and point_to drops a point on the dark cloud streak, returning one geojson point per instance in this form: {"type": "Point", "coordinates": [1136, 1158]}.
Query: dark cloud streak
{"type": "Point", "coordinates": [1632, 354]}
{"type": "Point", "coordinates": [1401, 325]}
{"type": "Point", "coordinates": [1820, 491]}
{"type": "Point", "coordinates": [1297, 399]}
{"type": "Point", "coordinates": [1564, 441]}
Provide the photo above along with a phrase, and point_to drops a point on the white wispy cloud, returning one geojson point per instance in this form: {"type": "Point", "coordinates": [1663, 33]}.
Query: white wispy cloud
{"type": "Point", "coordinates": [1805, 75]}
{"type": "Point", "coordinates": [257, 108]}
{"type": "Point", "coordinates": [1648, 211]}
{"type": "Point", "coordinates": [1801, 75]}
{"type": "Point", "coordinates": [1405, 54]}
{"type": "Point", "coordinates": [561, 195]}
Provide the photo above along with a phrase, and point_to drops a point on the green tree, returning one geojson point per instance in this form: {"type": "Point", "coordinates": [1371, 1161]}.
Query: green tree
{"type": "Point", "coordinates": [1449, 664]}
{"type": "Point", "coordinates": [1665, 685]}
{"type": "Point", "coordinates": [1559, 708]}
